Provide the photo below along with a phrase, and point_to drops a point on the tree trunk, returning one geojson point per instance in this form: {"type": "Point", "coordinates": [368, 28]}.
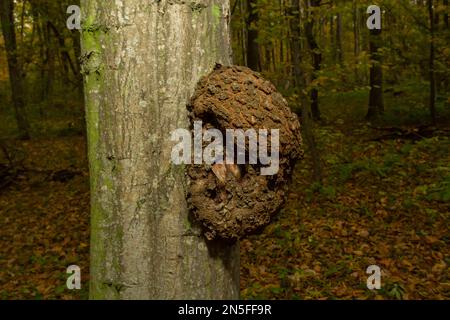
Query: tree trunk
{"type": "Point", "coordinates": [332, 39]}
{"type": "Point", "coordinates": [77, 51]}
{"type": "Point", "coordinates": [376, 103]}
{"type": "Point", "coordinates": [49, 64]}
{"type": "Point", "coordinates": [66, 60]}
{"type": "Point", "coordinates": [339, 49]}
{"type": "Point", "coordinates": [243, 30]}
{"type": "Point", "coordinates": [267, 57]}
{"type": "Point", "coordinates": [299, 78]}
{"type": "Point", "coordinates": [141, 61]}
{"type": "Point", "coordinates": [432, 105]}
{"type": "Point", "coordinates": [300, 82]}
{"type": "Point", "coordinates": [42, 54]}
{"type": "Point", "coordinates": [356, 47]}
{"type": "Point", "coordinates": [252, 37]}
{"type": "Point", "coordinates": [316, 56]}
{"type": "Point", "coordinates": [14, 67]}
{"type": "Point", "coordinates": [446, 20]}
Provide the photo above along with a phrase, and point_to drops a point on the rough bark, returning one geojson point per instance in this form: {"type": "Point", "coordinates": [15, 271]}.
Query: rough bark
{"type": "Point", "coordinates": [14, 67]}
{"type": "Point", "coordinates": [141, 61]}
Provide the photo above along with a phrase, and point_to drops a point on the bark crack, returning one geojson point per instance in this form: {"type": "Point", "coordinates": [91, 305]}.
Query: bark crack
{"type": "Point", "coordinates": [118, 287]}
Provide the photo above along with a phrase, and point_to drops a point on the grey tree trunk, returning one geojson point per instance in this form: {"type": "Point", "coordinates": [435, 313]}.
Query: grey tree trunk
{"type": "Point", "coordinates": [141, 61]}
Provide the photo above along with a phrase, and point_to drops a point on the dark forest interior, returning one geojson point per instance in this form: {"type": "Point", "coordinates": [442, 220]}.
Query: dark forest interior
{"type": "Point", "coordinates": [373, 188]}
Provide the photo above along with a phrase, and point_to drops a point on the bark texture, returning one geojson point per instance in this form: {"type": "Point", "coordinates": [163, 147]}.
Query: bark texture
{"type": "Point", "coordinates": [233, 200]}
{"type": "Point", "coordinates": [141, 61]}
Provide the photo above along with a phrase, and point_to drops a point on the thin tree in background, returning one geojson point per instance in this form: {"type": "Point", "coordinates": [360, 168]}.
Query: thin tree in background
{"type": "Point", "coordinates": [14, 66]}
{"type": "Point", "coordinates": [294, 13]}
{"type": "Point", "coordinates": [376, 101]}
{"type": "Point", "coordinates": [356, 31]}
{"type": "Point", "coordinates": [446, 20]}
{"type": "Point", "coordinates": [253, 59]}
{"type": "Point", "coordinates": [432, 72]}
{"type": "Point", "coordinates": [332, 37]}
{"type": "Point", "coordinates": [339, 44]}
{"type": "Point", "coordinates": [316, 56]}
{"type": "Point", "coordinates": [300, 82]}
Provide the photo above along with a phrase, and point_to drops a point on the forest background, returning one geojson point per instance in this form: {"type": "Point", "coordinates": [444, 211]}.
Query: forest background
{"type": "Point", "coordinates": [374, 187]}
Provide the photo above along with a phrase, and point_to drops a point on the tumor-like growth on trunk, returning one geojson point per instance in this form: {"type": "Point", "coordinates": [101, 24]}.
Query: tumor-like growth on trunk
{"type": "Point", "coordinates": [233, 200]}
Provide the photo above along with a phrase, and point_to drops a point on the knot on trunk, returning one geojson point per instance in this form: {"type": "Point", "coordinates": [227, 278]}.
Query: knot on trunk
{"type": "Point", "coordinates": [229, 198]}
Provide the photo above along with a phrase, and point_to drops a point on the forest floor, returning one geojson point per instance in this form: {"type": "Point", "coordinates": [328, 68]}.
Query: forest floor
{"type": "Point", "coordinates": [384, 202]}
{"type": "Point", "coordinates": [44, 221]}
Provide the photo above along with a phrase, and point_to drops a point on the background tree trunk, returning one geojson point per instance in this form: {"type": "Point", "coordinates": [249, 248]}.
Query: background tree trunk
{"type": "Point", "coordinates": [141, 61]}
{"type": "Point", "coordinates": [356, 32]}
{"type": "Point", "coordinates": [316, 56]}
{"type": "Point", "coordinates": [446, 20]}
{"type": "Point", "coordinates": [253, 60]}
{"type": "Point", "coordinates": [432, 72]}
{"type": "Point", "coordinates": [300, 83]}
{"type": "Point", "coordinates": [356, 48]}
{"type": "Point", "coordinates": [14, 67]}
{"type": "Point", "coordinates": [339, 48]}
{"type": "Point", "coordinates": [332, 38]}
{"type": "Point", "coordinates": [376, 102]}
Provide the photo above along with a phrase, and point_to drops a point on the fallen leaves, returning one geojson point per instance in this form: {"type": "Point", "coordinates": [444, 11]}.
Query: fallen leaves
{"type": "Point", "coordinates": [44, 224]}
{"type": "Point", "coordinates": [380, 214]}
{"type": "Point", "coordinates": [318, 248]}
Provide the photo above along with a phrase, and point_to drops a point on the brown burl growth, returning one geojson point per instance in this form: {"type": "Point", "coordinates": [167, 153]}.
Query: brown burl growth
{"type": "Point", "coordinates": [230, 200]}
